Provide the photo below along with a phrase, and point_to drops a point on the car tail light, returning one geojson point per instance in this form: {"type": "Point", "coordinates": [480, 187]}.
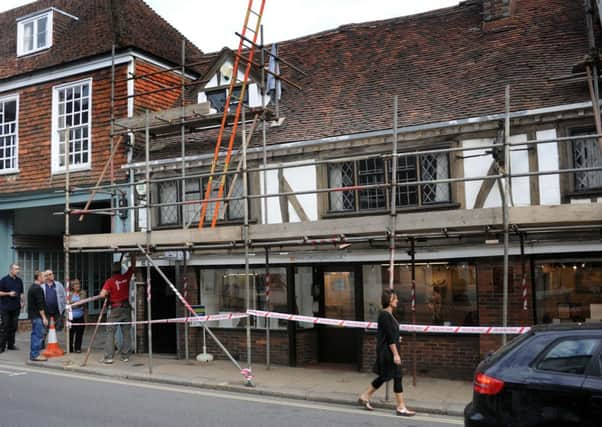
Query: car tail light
{"type": "Point", "coordinates": [484, 384]}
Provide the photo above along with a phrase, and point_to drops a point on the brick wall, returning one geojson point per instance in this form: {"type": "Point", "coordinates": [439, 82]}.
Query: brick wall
{"type": "Point", "coordinates": [35, 133]}
{"type": "Point", "coordinates": [445, 356]}
{"type": "Point", "coordinates": [159, 100]}
{"type": "Point", "coordinates": [307, 346]}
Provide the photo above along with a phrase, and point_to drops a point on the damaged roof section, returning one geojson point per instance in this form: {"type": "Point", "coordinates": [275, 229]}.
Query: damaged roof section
{"type": "Point", "coordinates": [445, 65]}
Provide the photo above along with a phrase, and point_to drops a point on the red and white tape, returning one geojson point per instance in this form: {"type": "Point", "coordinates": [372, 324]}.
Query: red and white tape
{"type": "Point", "coordinates": [483, 330]}
{"type": "Point", "coordinates": [202, 319]}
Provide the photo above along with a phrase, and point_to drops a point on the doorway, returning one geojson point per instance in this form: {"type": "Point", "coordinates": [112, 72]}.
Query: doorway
{"type": "Point", "coordinates": [339, 301]}
{"type": "Point", "coordinates": [163, 306]}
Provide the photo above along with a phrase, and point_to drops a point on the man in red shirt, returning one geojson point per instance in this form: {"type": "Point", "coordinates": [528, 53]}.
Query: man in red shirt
{"type": "Point", "coordinates": [117, 289]}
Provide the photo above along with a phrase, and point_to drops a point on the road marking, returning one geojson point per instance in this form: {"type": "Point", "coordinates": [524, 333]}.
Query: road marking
{"type": "Point", "coordinates": [13, 374]}
{"type": "Point", "coordinates": [215, 394]}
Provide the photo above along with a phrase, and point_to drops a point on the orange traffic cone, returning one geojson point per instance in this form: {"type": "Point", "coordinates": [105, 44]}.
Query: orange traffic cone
{"type": "Point", "coordinates": [52, 349]}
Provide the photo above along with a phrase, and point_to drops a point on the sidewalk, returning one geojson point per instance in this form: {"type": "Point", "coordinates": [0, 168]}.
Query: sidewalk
{"type": "Point", "coordinates": [430, 395]}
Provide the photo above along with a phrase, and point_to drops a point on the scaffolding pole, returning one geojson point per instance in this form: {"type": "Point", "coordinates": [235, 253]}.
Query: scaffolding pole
{"type": "Point", "coordinates": [505, 201]}
{"type": "Point", "coordinates": [68, 362]}
{"type": "Point", "coordinates": [245, 185]}
{"type": "Point", "coordinates": [149, 228]}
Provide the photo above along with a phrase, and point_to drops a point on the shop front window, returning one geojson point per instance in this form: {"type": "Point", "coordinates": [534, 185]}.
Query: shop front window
{"type": "Point", "coordinates": [224, 291]}
{"type": "Point", "coordinates": [446, 293]}
{"type": "Point", "coordinates": [568, 291]}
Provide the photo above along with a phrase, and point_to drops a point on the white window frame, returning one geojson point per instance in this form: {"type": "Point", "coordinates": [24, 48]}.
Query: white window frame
{"type": "Point", "coordinates": [16, 168]}
{"type": "Point", "coordinates": [55, 140]}
{"type": "Point", "coordinates": [21, 51]}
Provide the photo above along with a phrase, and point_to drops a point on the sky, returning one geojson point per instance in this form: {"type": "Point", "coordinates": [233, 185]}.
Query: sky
{"type": "Point", "coordinates": [211, 24]}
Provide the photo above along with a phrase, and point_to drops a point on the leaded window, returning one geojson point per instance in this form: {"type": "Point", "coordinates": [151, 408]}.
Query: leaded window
{"type": "Point", "coordinates": [170, 192]}
{"type": "Point", "coordinates": [8, 134]}
{"type": "Point", "coordinates": [586, 154]}
{"type": "Point", "coordinates": [217, 98]}
{"type": "Point", "coordinates": [71, 121]}
{"type": "Point", "coordinates": [428, 167]}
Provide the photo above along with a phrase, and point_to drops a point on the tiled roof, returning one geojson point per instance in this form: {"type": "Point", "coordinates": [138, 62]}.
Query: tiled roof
{"type": "Point", "coordinates": [444, 65]}
{"type": "Point", "coordinates": [132, 22]}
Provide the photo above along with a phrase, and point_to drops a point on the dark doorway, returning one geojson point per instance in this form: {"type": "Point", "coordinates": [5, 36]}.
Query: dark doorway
{"type": "Point", "coordinates": [338, 301]}
{"type": "Point", "coordinates": [163, 306]}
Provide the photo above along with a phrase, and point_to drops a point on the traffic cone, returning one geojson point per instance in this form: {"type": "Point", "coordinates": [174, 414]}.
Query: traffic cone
{"type": "Point", "coordinates": [52, 349]}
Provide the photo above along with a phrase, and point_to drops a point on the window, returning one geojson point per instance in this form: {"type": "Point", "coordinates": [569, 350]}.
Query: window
{"type": "Point", "coordinates": [34, 34]}
{"type": "Point", "coordinates": [217, 98]}
{"type": "Point", "coordinates": [169, 192]}
{"type": "Point", "coordinates": [568, 290]}
{"type": "Point", "coordinates": [446, 293]}
{"type": "Point", "coordinates": [91, 269]}
{"type": "Point", "coordinates": [586, 154]}
{"type": "Point", "coordinates": [224, 290]}
{"type": "Point", "coordinates": [71, 121]}
{"type": "Point", "coordinates": [8, 135]}
{"type": "Point", "coordinates": [569, 356]}
{"type": "Point", "coordinates": [427, 167]}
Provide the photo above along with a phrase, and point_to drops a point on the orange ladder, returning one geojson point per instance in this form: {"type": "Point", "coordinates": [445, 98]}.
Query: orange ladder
{"type": "Point", "coordinates": [249, 60]}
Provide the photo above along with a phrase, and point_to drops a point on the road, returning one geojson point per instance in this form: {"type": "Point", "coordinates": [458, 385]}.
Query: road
{"type": "Point", "coordinates": [31, 396]}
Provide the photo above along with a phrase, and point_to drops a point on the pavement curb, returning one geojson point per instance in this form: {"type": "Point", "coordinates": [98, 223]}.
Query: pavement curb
{"type": "Point", "coordinates": [418, 406]}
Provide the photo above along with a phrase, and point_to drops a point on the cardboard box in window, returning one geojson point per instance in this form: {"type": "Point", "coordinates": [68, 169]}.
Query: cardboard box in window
{"type": "Point", "coordinates": [595, 312]}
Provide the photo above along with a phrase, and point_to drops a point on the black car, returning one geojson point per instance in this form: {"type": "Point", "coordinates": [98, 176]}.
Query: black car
{"type": "Point", "coordinates": [550, 376]}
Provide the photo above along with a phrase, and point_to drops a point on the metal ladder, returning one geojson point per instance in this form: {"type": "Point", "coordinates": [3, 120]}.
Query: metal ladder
{"type": "Point", "coordinates": [233, 82]}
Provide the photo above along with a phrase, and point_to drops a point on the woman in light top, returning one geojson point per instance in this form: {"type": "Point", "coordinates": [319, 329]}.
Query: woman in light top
{"type": "Point", "coordinates": [79, 317]}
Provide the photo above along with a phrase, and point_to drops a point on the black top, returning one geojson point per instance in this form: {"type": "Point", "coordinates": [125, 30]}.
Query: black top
{"type": "Point", "coordinates": [7, 284]}
{"type": "Point", "coordinates": [388, 333]}
{"type": "Point", "coordinates": [35, 301]}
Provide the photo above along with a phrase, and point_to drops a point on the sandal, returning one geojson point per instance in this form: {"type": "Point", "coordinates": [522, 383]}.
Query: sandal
{"type": "Point", "coordinates": [405, 412]}
{"type": "Point", "coordinates": [365, 404]}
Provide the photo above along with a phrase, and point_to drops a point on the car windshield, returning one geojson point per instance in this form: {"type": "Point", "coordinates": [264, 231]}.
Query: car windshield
{"type": "Point", "coordinates": [515, 342]}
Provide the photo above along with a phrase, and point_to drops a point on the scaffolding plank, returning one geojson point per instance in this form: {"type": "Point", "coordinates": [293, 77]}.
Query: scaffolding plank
{"type": "Point", "coordinates": [158, 238]}
{"type": "Point", "coordinates": [460, 219]}
{"type": "Point", "coordinates": [167, 117]}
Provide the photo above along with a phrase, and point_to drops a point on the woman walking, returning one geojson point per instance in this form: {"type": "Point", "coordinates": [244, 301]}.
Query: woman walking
{"type": "Point", "coordinates": [388, 360]}
{"type": "Point", "coordinates": [76, 334]}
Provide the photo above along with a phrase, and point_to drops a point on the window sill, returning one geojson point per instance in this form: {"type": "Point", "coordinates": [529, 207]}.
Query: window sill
{"type": "Point", "coordinates": [33, 52]}
{"type": "Point", "coordinates": [72, 169]}
{"type": "Point", "coordinates": [596, 192]}
{"type": "Point", "coordinates": [10, 172]}
{"type": "Point", "coordinates": [409, 209]}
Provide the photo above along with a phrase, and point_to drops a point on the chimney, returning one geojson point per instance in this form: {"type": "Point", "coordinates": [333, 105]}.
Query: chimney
{"type": "Point", "coordinates": [496, 9]}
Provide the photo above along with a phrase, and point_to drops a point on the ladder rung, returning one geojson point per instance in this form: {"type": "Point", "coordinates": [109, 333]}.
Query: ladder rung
{"type": "Point", "coordinates": [253, 12]}
{"type": "Point", "coordinates": [251, 30]}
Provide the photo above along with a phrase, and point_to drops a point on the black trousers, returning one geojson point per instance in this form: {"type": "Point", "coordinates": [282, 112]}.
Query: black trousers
{"type": "Point", "coordinates": [9, 322]}
{"type": "Point", "coordinates": [397, 387]}
{"type": "Point", "coordinates": [76, 334]}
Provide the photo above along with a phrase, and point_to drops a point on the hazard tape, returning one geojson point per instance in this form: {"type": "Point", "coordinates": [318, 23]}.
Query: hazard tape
{"type": "Point", "coordinates": [202, 319]}
{"type": "Point", "coordinates": [482, 330]}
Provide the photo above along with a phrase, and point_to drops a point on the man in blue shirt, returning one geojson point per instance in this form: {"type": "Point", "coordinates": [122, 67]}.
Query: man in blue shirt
{"type": "Point", "coordinates": [11, 302]}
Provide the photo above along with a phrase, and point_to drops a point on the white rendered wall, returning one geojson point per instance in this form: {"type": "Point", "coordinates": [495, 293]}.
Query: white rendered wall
{"type": "Point", "coordinates": [301, 178]}
{"type": "Point", "coordinates": [547, 160]}
{"type": "Point", "coordinates": [473, 167]}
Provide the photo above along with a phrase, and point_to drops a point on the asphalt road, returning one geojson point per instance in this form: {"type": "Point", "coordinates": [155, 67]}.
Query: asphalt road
{"type": "Point", "coordinates": [42, 397]}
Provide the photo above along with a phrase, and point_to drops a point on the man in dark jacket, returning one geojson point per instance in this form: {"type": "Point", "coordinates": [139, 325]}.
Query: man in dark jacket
{"type": "Point", "coordinates": [39, 322]}
{"type": "Point", "coordinates": [11, 302]}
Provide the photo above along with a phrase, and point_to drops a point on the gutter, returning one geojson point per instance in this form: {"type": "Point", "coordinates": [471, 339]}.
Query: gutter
{"type": "Point", "coordinates": [375, 134]}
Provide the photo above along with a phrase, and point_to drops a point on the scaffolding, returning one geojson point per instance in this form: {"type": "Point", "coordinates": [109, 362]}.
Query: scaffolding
{"type": "Point", "coordinates": [390, 229]}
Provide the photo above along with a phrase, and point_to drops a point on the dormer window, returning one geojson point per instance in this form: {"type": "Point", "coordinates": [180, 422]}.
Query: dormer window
{"type": "Point", "coordinates": [34, 33]}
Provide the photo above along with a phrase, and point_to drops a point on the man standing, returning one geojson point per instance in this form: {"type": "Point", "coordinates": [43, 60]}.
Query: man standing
{"type": "Point", "coordinates": [39, 321]}
{"type": "Point", "coordinates": [117, 289]}
{"type": "Point", "coordinates": [55, 297]}
{"type": "Point", "coordinates": [11, 302]}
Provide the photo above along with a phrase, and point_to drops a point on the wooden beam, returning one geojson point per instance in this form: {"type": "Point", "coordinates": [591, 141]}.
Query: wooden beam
{"type": "Point", "coordinates": [294, 201]}
{"type": "Point", "coordinates": [283, 200]}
